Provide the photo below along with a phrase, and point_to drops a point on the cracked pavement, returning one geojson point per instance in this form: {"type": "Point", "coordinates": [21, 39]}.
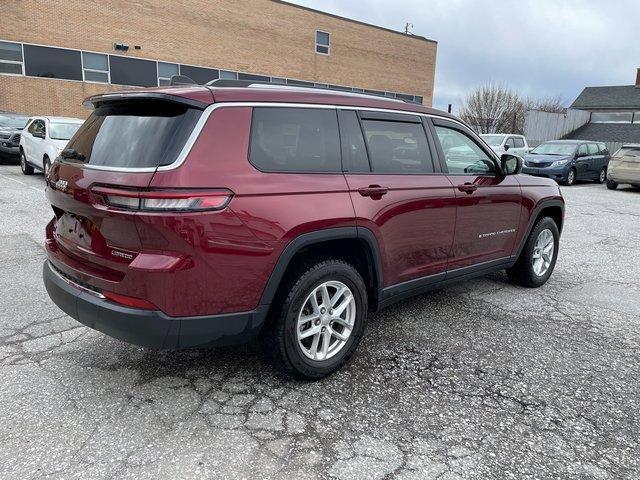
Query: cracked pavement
{"type": "Point", "coordinates": [482, 380]}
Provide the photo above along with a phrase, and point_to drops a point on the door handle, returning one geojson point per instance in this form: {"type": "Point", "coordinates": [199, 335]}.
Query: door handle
{"type": "Point", "coordinates": [468, 188]}
{"type": "Point", "coordinates": [373, 191]}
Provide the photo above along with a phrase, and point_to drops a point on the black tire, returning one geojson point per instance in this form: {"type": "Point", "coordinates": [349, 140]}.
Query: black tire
{"type": "Point", "coordinates": [24, 166]}
{"type": "Point", "coordinates": [46, 164]}
{"type": "Point", "coordinates": [522, 273]}
{"type": "Point", "coordinates": [279, 339]}
{"type": "Point", "coordinates": [602, 177]}
{"type": "Point", "coordinates": [611, 185]}
{"type": "Point", "coordinates": [571, 177]}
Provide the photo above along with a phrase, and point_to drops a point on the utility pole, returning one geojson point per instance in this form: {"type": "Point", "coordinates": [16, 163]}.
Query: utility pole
{"type": "Point", "coordinates": [407, 27]}
{"type": "Point", "coordinates": [449, 108]}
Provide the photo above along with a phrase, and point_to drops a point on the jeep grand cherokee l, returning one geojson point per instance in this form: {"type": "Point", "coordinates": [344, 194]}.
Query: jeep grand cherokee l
{"type": "Point", "coordinates": [202, 215]}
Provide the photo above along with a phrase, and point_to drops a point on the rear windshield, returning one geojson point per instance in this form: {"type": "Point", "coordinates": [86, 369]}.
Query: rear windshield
{"type": "Point", "coordinates": [628, 152]}
{"type": "Point", "coordinates": [63, 131]}
{"type": "Point", "coordinates": [134, 134]}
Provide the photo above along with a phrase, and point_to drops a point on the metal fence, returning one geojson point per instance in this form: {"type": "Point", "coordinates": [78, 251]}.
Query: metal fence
{"type": "Point", "coordinates": [541, 127]}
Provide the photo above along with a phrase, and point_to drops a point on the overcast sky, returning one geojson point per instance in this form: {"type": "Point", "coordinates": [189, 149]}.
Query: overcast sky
{"type": "Point", "coordinates": [538, 47]}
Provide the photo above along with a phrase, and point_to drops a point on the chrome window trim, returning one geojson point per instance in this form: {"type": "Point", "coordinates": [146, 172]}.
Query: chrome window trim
{"type": "Point", "coordinates": [182, 156]}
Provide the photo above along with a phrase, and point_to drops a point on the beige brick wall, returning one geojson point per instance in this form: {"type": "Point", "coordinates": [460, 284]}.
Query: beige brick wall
{"type": "Point", "coordinates": [255, 36]}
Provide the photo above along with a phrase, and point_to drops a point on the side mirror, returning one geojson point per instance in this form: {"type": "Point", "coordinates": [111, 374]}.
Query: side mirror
{"type": "Point", "coordinates": [506, 147]}
{"type": "Point", "coordinates": [38, 134]}
{"type": "Point", "coordinates": [510, 164]}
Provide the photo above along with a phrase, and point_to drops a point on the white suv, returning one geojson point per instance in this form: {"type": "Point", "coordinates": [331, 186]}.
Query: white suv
{"type": "Point", "coordinates": [42, 141]}
{"type": "Point", "coordinates": [503, 142]}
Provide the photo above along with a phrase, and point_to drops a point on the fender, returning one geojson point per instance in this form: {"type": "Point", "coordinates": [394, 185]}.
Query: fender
{"type": "Point", "coordinates": [532, 219]}
{"type": "Point", "coordinates": [319, 236]}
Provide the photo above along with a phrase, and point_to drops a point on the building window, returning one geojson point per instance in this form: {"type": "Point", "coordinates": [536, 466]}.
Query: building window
{"type": "Point", "coordinates": [11, 58]}
{"type": "Point", "coordinates": [323, 44]}
{"type": "Point", "coordinates": [253, 78]}
{"type": "Point", "coordinates": [133, 71]}
{"type": "Point", "coordinates": [51, 62]}
{"type": "Point", "coordinates": [199, 75]}
{"type": "Point", "coordinates": [228, 75]}
{"type": "Point", "coordinates": [611, 117]}
{"type": "Point", "coordinates": [165, 72]}
{"type": "Point", "coordinates": [95, 67]}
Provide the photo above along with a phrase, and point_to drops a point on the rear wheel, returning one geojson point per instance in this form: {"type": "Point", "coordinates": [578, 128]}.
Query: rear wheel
{"type": "Point", "coordinates": [611, 185]}
{"type": "Point", "coordinates": [46, 164]}
{"type": "Point", "coordinates": [603, 175]}
{"type": "Point", "coordinates": [317, 320]}
{"type": "Point", "coordinates": [24, 166]}
{"type": "Point", "coordinates": [538, 258]}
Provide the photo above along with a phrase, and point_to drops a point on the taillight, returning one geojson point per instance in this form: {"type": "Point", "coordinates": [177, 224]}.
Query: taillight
{"type": "Point", "coordinates": [163, 200]}
{"type": "Point", "coordinates": [127, 301]}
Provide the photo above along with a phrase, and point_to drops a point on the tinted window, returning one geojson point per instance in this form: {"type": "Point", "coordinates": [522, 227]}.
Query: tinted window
{"type": "Point", "coordinates": [583, 150]}
{"type": "Point", "coordinates": [295, 139]}
{"type": "Point", "coordinates": [253, 78]}
{"type": "Point", "coordinates": [136, 134]}
{"type": "Point", "coordinates": [628, 152]}
{"type": "Point", "coordinates": [519, 142]}
{"type": "Point", "coordinates": [603, 149]}
{"type": "Point", "coordinates": [133, 71]}
{"type": "Point", "coordinates": [397, 147]}
{"type": "Point", "coordinates": [199, 75]}
{"type": "Point", "coordinates": [462, 154]}
{"type": "Point", "coordinates": [52, 62]}
{"type": "Point", "coordinates": [593, 149]}
{"type": "Point", "coordinates": [354, 152]}
{"type": "Point", "coordinates": [165, 72]}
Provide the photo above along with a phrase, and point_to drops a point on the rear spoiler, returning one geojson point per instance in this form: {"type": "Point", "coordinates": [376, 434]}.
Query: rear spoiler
{"type": "Point", "coordinates": [97, 100]}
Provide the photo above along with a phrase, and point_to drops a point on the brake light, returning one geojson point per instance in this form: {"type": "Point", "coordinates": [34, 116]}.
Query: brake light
{"type": "Point", "coordinates": [163, 200]}
{"type": "Point", "coordinates": [127, 301]}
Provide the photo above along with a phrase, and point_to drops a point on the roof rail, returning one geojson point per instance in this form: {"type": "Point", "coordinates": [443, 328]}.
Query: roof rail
{"type": "Point", "coordinates": [224, 83]}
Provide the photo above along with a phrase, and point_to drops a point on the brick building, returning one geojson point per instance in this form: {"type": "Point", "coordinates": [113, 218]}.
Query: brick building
{"type": "Point", "coordinates": [55, 53]}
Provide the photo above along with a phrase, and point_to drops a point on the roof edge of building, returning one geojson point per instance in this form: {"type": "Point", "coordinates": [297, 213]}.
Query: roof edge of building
{"type": "Point", "coordinates": [347, 19]}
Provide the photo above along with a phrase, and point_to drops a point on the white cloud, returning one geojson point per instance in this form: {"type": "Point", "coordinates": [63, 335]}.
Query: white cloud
{"type": "Point", "coordinates": [539, 47]}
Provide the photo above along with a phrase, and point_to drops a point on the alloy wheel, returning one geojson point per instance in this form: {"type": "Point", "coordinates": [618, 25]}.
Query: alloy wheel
{"type": "Point", "coordinates": [543, 252]}
{"type": "Point", "coordinates": [571, 177]}
{"type": "Point", "coordinates": [326, 320]}
{"type": "Point", "coordinates": [23, 162]}
{"type": "Point", "coordinates": [603, 175]}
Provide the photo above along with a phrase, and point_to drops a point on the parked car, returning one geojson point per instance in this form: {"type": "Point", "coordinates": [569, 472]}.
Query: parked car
{"type": "Point", "coordinates": [506, 142]}
{"type": "Point", "coordinates": [624, 167]}
{"type": "Point", "coordinates": [567, 161]}
{"type": "Point", "coordinates": [11, 126]}
{"type": "Point", "coordinates": [219, 214]}
{"type": "Point", "coordinates": [43, 140]}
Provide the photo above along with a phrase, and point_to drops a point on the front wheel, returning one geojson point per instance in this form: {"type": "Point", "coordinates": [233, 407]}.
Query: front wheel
{"type": "Point", "coordinates": [611, 185]}
{"type": "Point", "coordinates": [317, 320]}
{"type": "Point", "coordinates": [571, 177]}
{"type": "Point", "coordinates": [538, 257]}
{"type": "Point", "coordinates": [24, 166]}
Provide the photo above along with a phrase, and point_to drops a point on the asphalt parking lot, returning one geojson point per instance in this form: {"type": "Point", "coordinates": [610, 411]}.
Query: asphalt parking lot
{"type": "Point", "coordinates": [480, 380]}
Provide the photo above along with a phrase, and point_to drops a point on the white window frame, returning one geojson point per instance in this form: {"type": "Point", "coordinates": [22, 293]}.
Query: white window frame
{"type": "Point", "coordinates": [107, 71]}
{"type": "Point", "coordinates": [322, 45]}
{"type": "Point", "coordinates": [15, 62]}
{"type": "Point", "coordinates": [158, 62]}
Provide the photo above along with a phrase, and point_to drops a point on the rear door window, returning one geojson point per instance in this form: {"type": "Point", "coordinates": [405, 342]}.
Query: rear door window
{"type": "Point", "coordinates": [143, 134]}
{"type": "Point", "coordinates": [354, 151]}
{"type": "Point", "coordinates": [593, 149]}
{"type": "Point", "coordinates": [397, 147]}
{"type": "Point", "coordinates": [295, 140]}
{"type": "Point", "coordinates": [582, 150]}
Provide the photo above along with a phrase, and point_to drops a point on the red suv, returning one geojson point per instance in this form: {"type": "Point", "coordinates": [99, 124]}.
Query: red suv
{"type": "Point", "coordinates": [201, 215]}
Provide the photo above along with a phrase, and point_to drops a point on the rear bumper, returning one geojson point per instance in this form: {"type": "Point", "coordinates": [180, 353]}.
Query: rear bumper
{"type": "Point", "coordinates": [147, 328]}
{"type": "Point", "coordinates": [624, 176]}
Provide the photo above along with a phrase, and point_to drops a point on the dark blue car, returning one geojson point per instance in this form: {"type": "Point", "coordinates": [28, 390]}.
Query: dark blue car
{"type": "Point", "coordinates": [567, 161]}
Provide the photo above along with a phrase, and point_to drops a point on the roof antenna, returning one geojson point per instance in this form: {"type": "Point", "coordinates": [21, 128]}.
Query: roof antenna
{"type": "Point", "coordinates": [181, 80]}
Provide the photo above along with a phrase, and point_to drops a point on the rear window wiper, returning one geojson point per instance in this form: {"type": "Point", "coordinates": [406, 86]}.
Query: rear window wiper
{"type": "Point", "coordinates": [71, 154]}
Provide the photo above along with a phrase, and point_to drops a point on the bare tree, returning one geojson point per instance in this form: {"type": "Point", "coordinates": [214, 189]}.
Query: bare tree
{"type": "Point", "coordinates": [493, 108]}
{"type": "Point", "coordinates": [549, 104]}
